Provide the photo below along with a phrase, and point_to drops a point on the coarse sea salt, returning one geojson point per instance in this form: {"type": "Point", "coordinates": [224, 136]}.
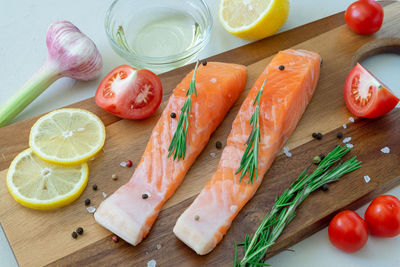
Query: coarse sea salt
{"type": "Point", "coordinates": [344, 126]}
{"type": "Point", "coordinates": [104, 195]}
{"type": "Point", "coordinates": [151, 263]}
{"type": "Point", "coordinates": [347, 139]}
{"type": "Point", "coordinates": [351, 119]}
{"type": "Point", "coordinates": [349, 145]}
{"type": "Point", "coordinates": [123, 164]}
{"type": "Point", "coordinates": [234, 208]}
{"type": "Point", "coordinates": [367, 178]}
{"type": "Point", "coordinates": [91, 209]}
{"type": "Point", "coordinates": [213, 80]}
{"type": "Point", "coordinates": [158, 246]}
{"type": "Point", "coordinates": [286, 151]}
{"type": "Point", "coordinates": [385, 150]}
{"type": "Point", "coordinates": [213, 155]}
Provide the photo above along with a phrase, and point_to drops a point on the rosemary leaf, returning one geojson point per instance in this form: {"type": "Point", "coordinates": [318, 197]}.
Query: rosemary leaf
{"type": "Point", "coordinates": [284, 209]}
{"type": "Point", "coordinates": [178, 142]}
{"type": "Point", "coordinates": [249, 161]}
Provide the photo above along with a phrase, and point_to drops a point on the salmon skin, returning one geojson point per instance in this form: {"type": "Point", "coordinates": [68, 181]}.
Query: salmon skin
{"type": "Point", "coordinates": [131, 210]}
{"type": "Point", "coordinates": [286, 94]}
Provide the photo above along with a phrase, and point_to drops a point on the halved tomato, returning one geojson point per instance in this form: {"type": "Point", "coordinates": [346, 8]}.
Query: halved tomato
{"type": "Point", "coordinates": [366, 96]}
{"type": "Point", "coordinates": [129, 93]}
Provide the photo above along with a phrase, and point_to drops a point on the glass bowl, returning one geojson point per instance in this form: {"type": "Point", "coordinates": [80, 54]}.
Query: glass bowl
{"type": "Point", "coordinates": [158, 35]}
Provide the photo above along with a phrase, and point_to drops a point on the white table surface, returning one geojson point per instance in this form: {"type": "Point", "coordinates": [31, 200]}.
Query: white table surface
{"type": "Point", "coordinates": [23, 25]}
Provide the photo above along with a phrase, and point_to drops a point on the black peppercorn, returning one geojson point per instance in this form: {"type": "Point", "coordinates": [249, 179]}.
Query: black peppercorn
{"type": "Point", "coordinates": [74, 235]}
{"type": "Point", "coordinates": [79, 230]}
{"type": "Point", "coordinates": [87, 202]}
{"type": "Point", "coordinates": [339, 135]}
{"type": "Point", "coordinates": [94, 187]}
{"type": "Point", "coordinates": [314, 135]}
{"type": "Point", "coordinates": [322, 156]}
{"type": "Point", "coordinates": [319, 136]}
{"type": "Point", "coordinates": [325, 187]}
{"type": "Point", "coordinates": [281, 67]}
{"type": "Point", "coordinates": [204, 62]}
{"type": "Point", "coordinates": [218, 144]}
{"type": "Point", "coordinates": [144, 196]}
{"type": "Point", "coordinates": [173, 115]}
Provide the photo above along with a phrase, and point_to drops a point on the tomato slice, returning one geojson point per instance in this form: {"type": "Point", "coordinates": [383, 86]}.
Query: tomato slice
{"type": "Point", "coordinates": [129, 93]}
{"type": "Point", "coordinates": [366, 96]}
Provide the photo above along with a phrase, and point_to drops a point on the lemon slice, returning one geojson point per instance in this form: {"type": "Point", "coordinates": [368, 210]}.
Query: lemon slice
{"type": "Point", "coordinates": [38, 184]}
{"type": "Point", "coordinates": [253, 19]}
{"type": "Point", "coordinates": [67, 136]}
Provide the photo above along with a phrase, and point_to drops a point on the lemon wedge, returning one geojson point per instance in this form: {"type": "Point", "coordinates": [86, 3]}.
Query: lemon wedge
{"type": "Point", "coordinates": [67, 136]}
{"type": "Point", "coordinates": [38, 184]}
{"type": "Point", "coordinates": [253, 19]}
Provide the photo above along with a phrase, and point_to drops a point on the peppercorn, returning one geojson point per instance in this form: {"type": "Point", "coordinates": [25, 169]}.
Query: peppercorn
{"type": "Point", "coordinates": [115, 239]}
{"type": "Point", "coordinates": [87, 202]}
{"type": "Point", "coordinates": [322, 156]}
{"type": "Point", "coordinates": [94, 187]}
{"type": "Point", "coordinates": [74, 235]}
{"type": "Point", "coordinates": [204, 62]}
{"type": "Point", "coordinates": [144, 196]}
{"type": "Point", "coordinates": [79, 230]}
{"type": "Point", "coordinates": [128, 163]}
{"type": "Point", "coordinates": [173, 115]}
{"type": "Point", "coordinates": [316, 160]}
{"type": "Point", "coordinates": [114, 177]}
{"type": "Point", "coordinates": [325, 187]}
{"type": "Point", "coordinates": [314, 135]}
{"type": "Point", "coordinates": [281, 67]}
{"type": "Point", "coordinates": [319, 136]}
{"type": "Point", "coordinates": [197, 217]}
{"type": "Point", "coordinates": [339, 135]}
{"type": "Point", "coordinates": [218, 144]}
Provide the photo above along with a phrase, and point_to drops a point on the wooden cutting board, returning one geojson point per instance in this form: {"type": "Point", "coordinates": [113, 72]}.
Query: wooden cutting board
{"type": "Point", "coordinates": [40, 238]}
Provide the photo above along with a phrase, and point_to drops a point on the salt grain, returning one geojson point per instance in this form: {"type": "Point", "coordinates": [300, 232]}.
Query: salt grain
{"type": "Point", "coordinates": [91, 209]}
{"type": "Point", "coordinates": [123, 164]}
{"type": "Point", "coordinates": [151, 263]}
{"type": "Point", "coordinates": [385, 150]}
{"type": "Point", "coordinates": [104, 195]}
{"type": "Point", "coordinates": [367, 178]}
{"type": "Point", "coordinates": [158, 246]}
{"type": "Point", "coordinates": [80, 129]}
{"type": "Point", "coordinates": [234, 208]}
{"type": "Point", "coordinates": [286, 151]}
{"type": "Point", "coordinates": [213, 155]}
{"type": "Point", "coordinates": [347, 139]}
{"type": "Point", "coordinates": [351, 119]}
{"type": "Point", "coordinates": [344, 126]}
{"type": "Point", "coordinates": [349, 145]}
{"type": "Point", "coordinates": [213, 80]}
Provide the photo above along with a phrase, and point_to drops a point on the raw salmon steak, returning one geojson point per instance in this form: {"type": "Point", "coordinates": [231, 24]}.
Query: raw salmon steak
{"type": "Point", "coordinates": [131, 210]}
{"type": "Point", "coordinates": [292, 76]}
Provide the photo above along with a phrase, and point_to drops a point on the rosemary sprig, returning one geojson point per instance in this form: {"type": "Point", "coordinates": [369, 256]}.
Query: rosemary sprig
{"type": "Point", "coordinates": [284, 209]}
{"type": "Point", "coordinates": [178, 142]}
{"type": "Point", "coordinates": [248, 163]}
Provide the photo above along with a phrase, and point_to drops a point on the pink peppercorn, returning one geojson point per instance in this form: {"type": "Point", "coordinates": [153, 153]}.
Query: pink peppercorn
{"type": "Point", "coordinates": [128, 163]}
{"type": "Point", "coordinates": [115, 239]}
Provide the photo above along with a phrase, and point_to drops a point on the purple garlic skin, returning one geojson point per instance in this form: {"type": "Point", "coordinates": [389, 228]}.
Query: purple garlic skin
{"type": "Point", "coordinates": [73, 53]}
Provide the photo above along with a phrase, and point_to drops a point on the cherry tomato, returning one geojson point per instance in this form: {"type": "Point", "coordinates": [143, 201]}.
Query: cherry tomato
{"type": "Point", "coordinates": [348, 231]}
{"type": "Point", "coordinates": [366, 96]}
{"type": "Point", "coordinates": [129, 93]}
{"type": "Point", "coordinates": [383, 216]}
{"type": "Point", "coordinates": [364, 16]}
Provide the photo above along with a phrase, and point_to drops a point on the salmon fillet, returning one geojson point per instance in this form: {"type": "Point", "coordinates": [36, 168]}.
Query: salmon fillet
{"type": "Point", "coordinates": [127, 212]}
{"type": "Point", "coordinates": [285, 96]}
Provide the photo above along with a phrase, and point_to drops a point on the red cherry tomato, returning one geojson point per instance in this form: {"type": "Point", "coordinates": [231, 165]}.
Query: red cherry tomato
{"type": "Point", "coordinates": [129, 93]}
{"type": "Point", "coordinates": [366, 96]}
{"type": "Point", "coordinates": [364, 16]}
{"type": "Point", "coordinates": [348, 231]}
{"type": "Point", "coordinates": [383, 216]}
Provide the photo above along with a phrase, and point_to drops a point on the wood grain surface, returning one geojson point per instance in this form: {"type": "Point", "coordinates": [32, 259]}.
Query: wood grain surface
{"type": "Point", "coordinates": [41, 238]}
